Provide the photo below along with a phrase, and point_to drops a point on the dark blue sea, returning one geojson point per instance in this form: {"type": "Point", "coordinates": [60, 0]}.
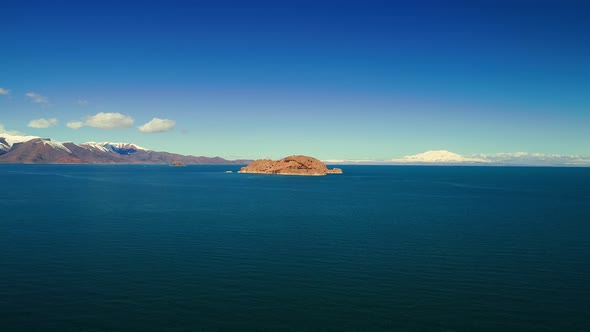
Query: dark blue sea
{"type": "Point", "coordinates": [379, 248]}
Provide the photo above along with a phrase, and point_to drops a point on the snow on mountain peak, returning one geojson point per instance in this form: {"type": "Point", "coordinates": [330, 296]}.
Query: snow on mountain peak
{"type": "Point", "coordinates": [124, 148]}
{"type": "Point", "coordinates": [438, 156]}
{"type": "Point", "coordinates": [56, 145]}
{"type": "Point", "coordinates": [12, 139]}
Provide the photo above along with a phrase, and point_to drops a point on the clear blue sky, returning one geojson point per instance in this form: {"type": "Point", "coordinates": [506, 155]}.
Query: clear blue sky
{"type": "Point", "coordinates": [332, 79]}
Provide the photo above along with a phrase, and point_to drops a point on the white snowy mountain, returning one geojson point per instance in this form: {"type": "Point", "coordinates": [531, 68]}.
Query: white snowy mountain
{"type": "Point", "coordinates": [7, 140]}
{"type": "Point", "coordinates": [121, 148]}
{"type": "Point", "coordinates": [438, 157]}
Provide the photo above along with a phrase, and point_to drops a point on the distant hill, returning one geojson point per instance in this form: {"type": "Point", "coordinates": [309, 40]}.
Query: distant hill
{"type": "Point", "coordinates": [37, 150]}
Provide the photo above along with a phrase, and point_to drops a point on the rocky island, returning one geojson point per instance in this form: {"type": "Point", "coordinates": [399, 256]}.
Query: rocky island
{"type": "Point", "coordinates": [292, 165]}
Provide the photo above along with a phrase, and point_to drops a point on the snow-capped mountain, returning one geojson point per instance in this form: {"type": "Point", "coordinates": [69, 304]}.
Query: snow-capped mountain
{"type": "Point", "coordinates": [120, 148]}
{"type": "Point", "coordinates": [7, 141]}
{"type": "Point", "coordinates": [438, 157]}
{"type": "Point", "coordinates": [33, 149]}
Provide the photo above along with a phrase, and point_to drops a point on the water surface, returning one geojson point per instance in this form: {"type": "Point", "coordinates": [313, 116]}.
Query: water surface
{"type": "Point", "coordinates": [152, 248]}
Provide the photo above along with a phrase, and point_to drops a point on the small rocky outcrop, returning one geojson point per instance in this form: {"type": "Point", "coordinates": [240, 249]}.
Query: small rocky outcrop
{"type": "Point", "coordinates": [292, 165]}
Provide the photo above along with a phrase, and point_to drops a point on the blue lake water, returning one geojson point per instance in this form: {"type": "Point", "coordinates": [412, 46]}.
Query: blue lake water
{"type": "Point", "coordinates": [379, 248]}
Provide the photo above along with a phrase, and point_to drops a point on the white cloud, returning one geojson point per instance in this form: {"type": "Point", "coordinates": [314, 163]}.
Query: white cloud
{"type": "Point", "coordinates": [109, 121]}
{"type": "Point", "coordinates": [437, 157]}
{"type": "Point", "coordinates": [75, 124]}
{"type": "Point", "coordinates": [4, 91]}
{"type": "Point", "coordinates": [37, 98]}
{"type": "Point", "coordinates": [9, 132]}
{"type": "Point", "coordinates": [104, 121]}
{"type": "Point", "coordinates": [43, 123]}
{"type": "Point", "coordinates": [82, 102]}
{"type": "Point", "coordinates": [157, 126]}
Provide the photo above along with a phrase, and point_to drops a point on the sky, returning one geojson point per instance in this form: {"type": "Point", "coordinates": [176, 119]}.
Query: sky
{"type": "Point", "coordinates": [331, 79]}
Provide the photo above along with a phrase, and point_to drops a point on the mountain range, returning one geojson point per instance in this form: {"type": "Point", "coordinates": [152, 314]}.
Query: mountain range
{"type": "Point", "coordinates": [444, 157]}
{"type": "Point", "coordinates": [18, 149]}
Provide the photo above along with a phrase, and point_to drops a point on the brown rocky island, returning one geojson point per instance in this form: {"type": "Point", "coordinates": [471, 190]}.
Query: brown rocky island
{"type": "Point", "coordinates": [292, 165]}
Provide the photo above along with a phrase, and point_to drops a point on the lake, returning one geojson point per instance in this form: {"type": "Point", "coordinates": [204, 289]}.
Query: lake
{"type": "Point", "coordinates": [379, 248]}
